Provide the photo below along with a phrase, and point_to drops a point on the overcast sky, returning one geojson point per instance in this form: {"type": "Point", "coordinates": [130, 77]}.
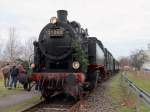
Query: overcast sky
{"type": "Point", "coordinates": [122, 25]}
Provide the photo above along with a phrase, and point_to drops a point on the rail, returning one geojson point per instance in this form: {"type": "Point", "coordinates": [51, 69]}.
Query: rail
{"type": "Point", "coordinates": [31, 106]}
{"type": "Point", "coordinates": [43, 106]}
{"type": "Point", "coordinates": [141, 94]}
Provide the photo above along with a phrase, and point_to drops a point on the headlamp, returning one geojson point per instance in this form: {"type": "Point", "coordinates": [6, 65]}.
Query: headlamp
{"type": "Point", "coordinates": [32, 65]}
{"type": "Point", "coordinates": [75, 64]}
{"type": "Point", "coordinates": [53, 20]}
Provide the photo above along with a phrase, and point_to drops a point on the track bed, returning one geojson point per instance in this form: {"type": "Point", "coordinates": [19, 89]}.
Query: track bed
{"type": "Point", "coordinates": [60, 103]}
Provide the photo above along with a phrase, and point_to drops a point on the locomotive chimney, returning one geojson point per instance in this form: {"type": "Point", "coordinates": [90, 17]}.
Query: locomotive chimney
{"type": "Point", "coordinates": [62, 15]}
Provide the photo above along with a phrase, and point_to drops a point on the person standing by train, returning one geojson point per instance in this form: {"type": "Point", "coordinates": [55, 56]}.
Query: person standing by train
{"type": "Point", "coordinates": [13, 73]}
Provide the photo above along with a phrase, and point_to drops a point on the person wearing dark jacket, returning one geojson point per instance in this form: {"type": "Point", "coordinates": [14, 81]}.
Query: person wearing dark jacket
{"type": "Point", "coordinates": [14, 73]}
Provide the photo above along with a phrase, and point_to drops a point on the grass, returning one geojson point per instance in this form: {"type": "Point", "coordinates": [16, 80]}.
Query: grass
{"type": "Point", "coordinates": [119, 95]}
{"type": "Point", "coordinates": [22, 105]}
{"type": "Point", "coordinates": [4, 91]}
{"type": "Point", "coordinates": [124, 100]}
{"type": "Point", "coordinates": [141, 80]}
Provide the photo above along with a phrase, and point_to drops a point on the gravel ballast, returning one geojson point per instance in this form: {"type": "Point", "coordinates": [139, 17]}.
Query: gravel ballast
{"type": "Point", "coordinates": [99, 101]}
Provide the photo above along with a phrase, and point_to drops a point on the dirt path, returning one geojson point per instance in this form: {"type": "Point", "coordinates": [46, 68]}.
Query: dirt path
{"type": "Point", "coordinates": [16, 98]}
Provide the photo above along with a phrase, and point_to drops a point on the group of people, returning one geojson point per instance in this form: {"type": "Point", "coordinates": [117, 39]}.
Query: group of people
{"type": "Point", "coordinates": [15, 73]}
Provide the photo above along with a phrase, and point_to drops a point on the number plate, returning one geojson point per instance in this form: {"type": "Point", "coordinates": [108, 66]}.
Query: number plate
{"type": "Point", "coordinates": [55, 32]}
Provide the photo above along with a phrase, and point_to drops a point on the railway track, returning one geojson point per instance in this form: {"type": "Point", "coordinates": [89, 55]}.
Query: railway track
{"type": "Point", "coordinates": [58, 104]}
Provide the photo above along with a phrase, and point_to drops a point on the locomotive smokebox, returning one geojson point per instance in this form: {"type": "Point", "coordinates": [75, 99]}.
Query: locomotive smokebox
{"type": "Point", "coordinates": [62, 15]}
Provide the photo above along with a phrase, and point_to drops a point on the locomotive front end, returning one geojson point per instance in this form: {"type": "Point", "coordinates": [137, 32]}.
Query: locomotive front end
{"type": "Point", "coordinates": [56, 37]}
{"type": "Point", "coordinates": [56, 70]}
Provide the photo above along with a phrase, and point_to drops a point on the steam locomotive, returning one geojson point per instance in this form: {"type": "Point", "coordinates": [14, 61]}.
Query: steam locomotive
{"type": "Point", "coordinates": [67, 60]}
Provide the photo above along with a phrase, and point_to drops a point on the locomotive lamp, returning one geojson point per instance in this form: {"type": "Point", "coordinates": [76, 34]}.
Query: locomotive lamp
{"type": "Point", "coordinates": [32, 65]}
{"type": "Point", "coordinates": [53, 20]}
{"type": "Point", "coordinates": [75, 64]}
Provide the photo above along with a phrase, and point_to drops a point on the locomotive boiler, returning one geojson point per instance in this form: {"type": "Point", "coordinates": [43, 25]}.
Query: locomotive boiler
{"type": "Point", "coordinates": [67, 60]}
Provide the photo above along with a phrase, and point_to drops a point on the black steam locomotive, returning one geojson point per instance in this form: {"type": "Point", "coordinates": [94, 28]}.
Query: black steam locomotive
{"type": "Point", "coordinates": [67, 60]}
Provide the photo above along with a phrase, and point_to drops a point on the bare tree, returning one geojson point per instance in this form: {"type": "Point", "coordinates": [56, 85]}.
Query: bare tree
{"type": "Point", "coordinates": [12, 50]}
{"type": "Point", "coordinates": [138, 58]}
{"type": "Point", "coordinates": [28, 49]}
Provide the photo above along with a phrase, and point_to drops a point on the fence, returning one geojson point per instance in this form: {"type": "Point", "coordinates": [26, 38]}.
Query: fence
{"type": "Point", "coordinates": [141, 94]}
